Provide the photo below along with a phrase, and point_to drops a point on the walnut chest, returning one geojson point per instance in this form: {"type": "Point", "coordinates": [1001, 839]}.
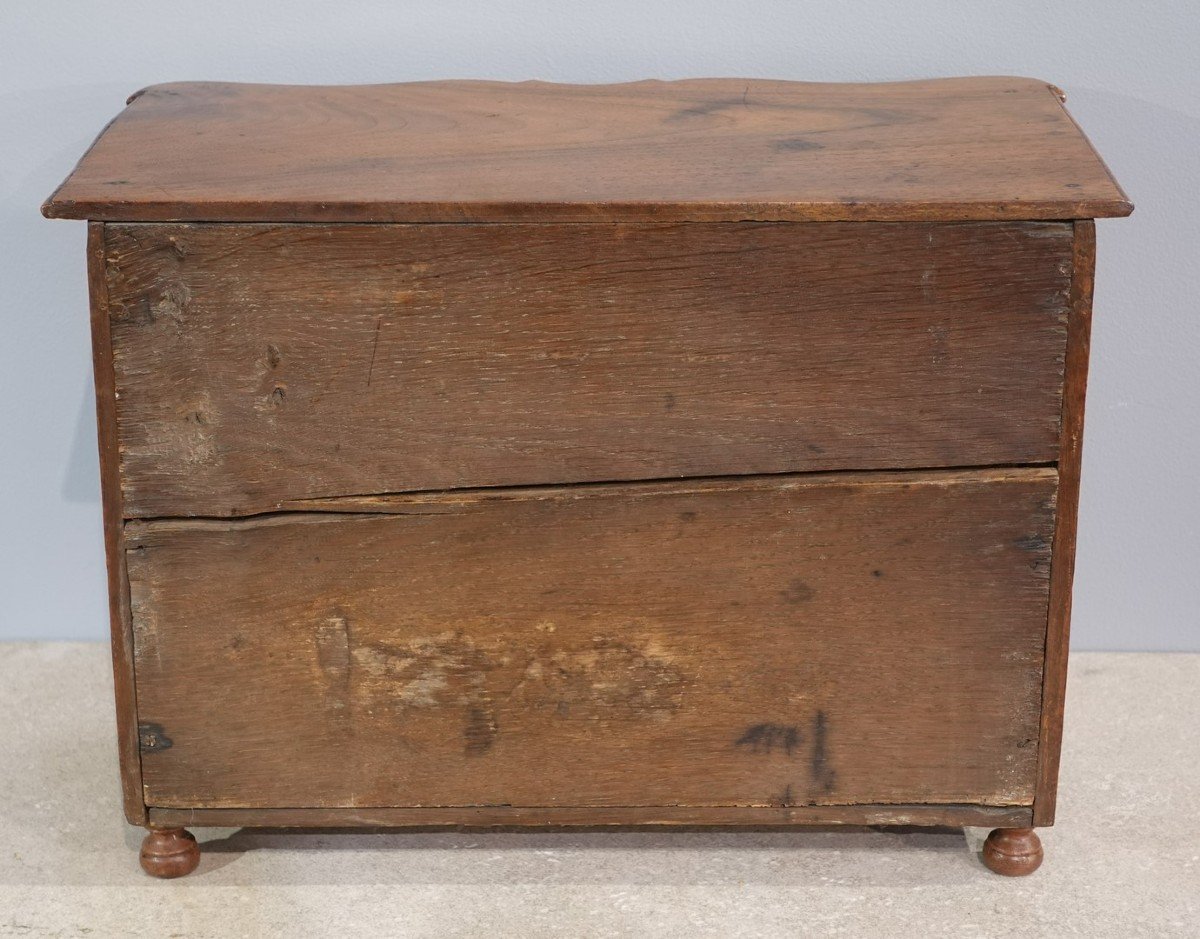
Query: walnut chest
{"type": "Point", "coordinates": [698, 452]}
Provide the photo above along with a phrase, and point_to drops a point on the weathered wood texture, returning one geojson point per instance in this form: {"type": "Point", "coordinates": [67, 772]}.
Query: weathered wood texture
{"type": "Point", "coordinates": [700, 150]}
{"type": "Point", "coordinates": [120, 630]}
{"type": "Point", "coordinates": [500, 816]}
{"type": "Point", "coordinates": [1062, 572]}
{"type": "Point", "coordinates": [841, 639]}
{"type": "Point", "coordinates": [260, 366]}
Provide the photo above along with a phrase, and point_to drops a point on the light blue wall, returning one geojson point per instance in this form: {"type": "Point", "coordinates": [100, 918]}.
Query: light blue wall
{"type": "Point", "coordinates": [1129, 70]}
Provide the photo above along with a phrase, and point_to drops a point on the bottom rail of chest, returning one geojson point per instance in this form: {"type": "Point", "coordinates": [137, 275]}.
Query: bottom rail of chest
{"type": "Point", "coordinates": [1012, 848]}
{"type": "Point", "coordinates": [565, 816]}
{"type": "Point", "coordinates": [862, 649]}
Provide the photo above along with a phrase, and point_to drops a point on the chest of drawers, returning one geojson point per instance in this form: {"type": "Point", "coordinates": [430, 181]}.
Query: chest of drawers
{"type": "Point", "coordinates": [699, 453]}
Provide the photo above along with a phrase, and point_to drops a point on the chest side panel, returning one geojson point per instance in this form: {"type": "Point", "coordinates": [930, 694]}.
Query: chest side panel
{"type": "Point", "coordinates": [828, 640]}
{"type": "Point", "coordinates": [259, 366]}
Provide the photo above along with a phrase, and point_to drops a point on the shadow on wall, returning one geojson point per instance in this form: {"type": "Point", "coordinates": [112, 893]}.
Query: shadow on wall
{"type": "Point", "coordinates": [1135, 584]}
{"type": "Point", "coordinates": [81, 479]}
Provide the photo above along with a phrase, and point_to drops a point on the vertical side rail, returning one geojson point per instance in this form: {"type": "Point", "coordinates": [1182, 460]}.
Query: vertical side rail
{"type": "Point", "coordinates": [120, 621]}
{"type": "Point", "coordinates": [1062, 570]}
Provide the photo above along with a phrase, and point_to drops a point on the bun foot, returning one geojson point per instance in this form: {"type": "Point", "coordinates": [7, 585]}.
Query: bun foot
{"type": "Point", "coordinates": [169, 852]}
{"type": "Point", "coordinates": [1013, 852]}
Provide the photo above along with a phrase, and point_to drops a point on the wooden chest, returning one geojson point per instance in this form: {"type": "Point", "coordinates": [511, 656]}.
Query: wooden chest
{"type": "Point", "coordinates": [700, 452]}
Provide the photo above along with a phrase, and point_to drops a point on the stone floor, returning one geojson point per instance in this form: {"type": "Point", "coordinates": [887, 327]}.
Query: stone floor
{"type": "Point", "coordinates": [1123, 861]}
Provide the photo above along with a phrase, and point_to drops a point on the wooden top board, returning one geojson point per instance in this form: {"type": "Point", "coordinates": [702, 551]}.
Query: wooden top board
{"type": "Point", "coordinates": [697, 150]}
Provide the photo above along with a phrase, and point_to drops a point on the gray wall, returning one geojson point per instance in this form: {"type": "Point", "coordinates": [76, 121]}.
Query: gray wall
{"type": "Point", "coordinates": [1129, 69]}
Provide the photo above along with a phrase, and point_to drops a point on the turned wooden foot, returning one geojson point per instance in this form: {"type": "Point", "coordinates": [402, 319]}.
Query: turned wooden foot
{"type": "Point", "coordinates": [1013, 852]}
{"type": "Point", "coordinates": [169, 852]}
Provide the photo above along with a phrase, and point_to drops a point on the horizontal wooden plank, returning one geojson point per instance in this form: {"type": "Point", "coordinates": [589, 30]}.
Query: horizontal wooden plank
{"type": "Point", "coordinates": [259, 366]}
{"type": "Point", "coordinates": [832, 640]}
{"type": "Point", "coordinates": [701, 150]}
{"type": "Point", "coordinates": [498, 816]}
{"type": "Point", "coordinates": [459, 500]}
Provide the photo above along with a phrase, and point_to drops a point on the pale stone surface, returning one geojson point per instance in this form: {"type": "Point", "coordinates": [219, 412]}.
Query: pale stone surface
{"type": "Point", "coordinates": [1123, 860]}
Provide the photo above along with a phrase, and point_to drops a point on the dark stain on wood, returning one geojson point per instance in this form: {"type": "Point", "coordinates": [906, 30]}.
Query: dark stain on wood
{"type": "Point", "coordinates": [704, 109]}
{"type": "Point", "coordinates": [796, 144]}
{"type": "Point", "coordinates": [152, 738]}
{"type": "Point", "coordinates": [770, 738]}
{"type": "Point", "coordinates": [823, 775]}
{"type": "Point", "coordinates": [480, 730]}
{"type": "Point", "coordinates": [797, 591]}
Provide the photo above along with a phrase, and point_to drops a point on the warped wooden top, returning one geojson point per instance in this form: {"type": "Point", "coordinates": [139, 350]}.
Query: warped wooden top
{"type": "Point", "coordinates": [697, 150]}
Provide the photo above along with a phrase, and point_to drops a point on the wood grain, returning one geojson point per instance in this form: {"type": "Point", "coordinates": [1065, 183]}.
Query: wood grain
{"type": "Point", "coordinates": [698, 150]}
{"type": "Point", "coordinates": [263, 366]}
{"type": "Point", "coordinates": [556, 816]}
{"type": "Point", "coordinates": [120, 629]}
{"type": "Point", "coordinates": [1062, 572]}
{"type": "Point", "coordinates": [815, 640]}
